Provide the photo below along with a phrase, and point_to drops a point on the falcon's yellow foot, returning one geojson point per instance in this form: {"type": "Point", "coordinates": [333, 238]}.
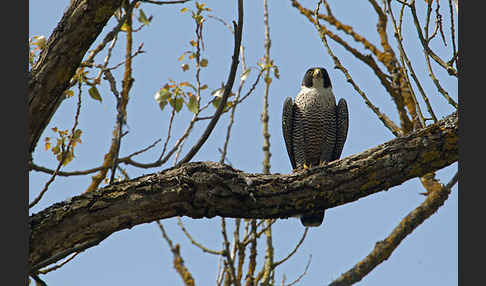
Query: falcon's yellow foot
{"type": "Point", "coordinates": [307, 166]}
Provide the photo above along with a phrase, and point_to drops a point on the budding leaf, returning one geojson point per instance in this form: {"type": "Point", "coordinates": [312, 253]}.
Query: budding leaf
{"type": "Point", "coordinates": [204, 63]}
{"type": "Point", "coordinates": [192, 104]}
{"type": "Point", "coordinates": [142, 18]}
{"type": "Point", "coordinates": [94, 93]}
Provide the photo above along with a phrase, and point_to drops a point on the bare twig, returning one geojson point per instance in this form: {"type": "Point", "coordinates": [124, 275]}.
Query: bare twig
{"type": "Point", "coordinates": [293, 251]}
{"type": "Point", "coordinates": [386, 121]}
{"type": "Point", "coordinates": [178, 262]}
{"type": "Point", "coordinates": [111, 35]}
{"type": "Point", "coordinates": [268, 80]}
{"type": "Point", "coordinates": [404, 58]}
{"type": "Point", "coordinates": [427, 58]}
{"type": "Point", "coordinates": [233, 108]}
{"type": "Point", "coordinates": [230, 262]}
{"type": "Point", "coordinates": [35, 167]}
{"type": "Point", "coordinates": [303, 273]}
{"type": "Point", "coordinates": [383, 249]}
{"type": "Point", "coordinates": [193, 241]}
{"type": "Point", "coordinates": [172, 114]}
{"type": "Point", "coordinates": [250, 276]}
{"type": "Point", "coordinates": [78, 248]}
{"type": "Point", "coordinates": [451, 70]}
{"type": "Point", "coordinates": [111, 157]}
{"type": "Point", "coordinates": [227, 90]}
{"type": "Point", "coordinates": [57, 266]}
{"type": "Point", "coordinates": [453, 35]}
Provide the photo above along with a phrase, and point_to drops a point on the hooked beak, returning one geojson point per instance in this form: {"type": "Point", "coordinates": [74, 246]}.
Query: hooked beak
{"type": "Point", "coordinates": [317, 73]}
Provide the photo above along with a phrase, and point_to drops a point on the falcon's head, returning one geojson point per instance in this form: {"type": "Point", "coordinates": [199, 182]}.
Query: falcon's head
{"type": "Point", "coordinates": [316, 77]}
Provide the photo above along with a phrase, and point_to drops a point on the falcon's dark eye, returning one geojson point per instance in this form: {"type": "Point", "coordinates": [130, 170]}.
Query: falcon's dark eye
{"type": "Point", "coordinates": [307, 81]}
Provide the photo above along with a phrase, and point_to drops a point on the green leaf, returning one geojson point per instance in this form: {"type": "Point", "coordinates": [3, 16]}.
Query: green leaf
{"type": "Point", "coordinates": [204, 63]}
{"type": "Point", "coordinates": [218, 92]}
{"type": "Point", "coordinates": [124, 27]}
{"type": "Point", "coordinates": [162, 104]}
{"type": "Point", "coordinates": [142, 18]}
{"type": "Point", "coordinates": [179, 102]}
{"type": "Point", "coordinates": [176, 103]}
{"type": "Point", "coordinates": [162, 95]}
{"type": "Point", "coordinates": [94, 93]}
{"type": "Point", "coordinates": [216, 102]}
{"type": "Point", "coordinates": [68, 158]}
{"type": "Point", "coordinates": [77, 134]}
{"type": "Point", "coordinates": [192, 104]}
{"type": "Point", "coordinates": [276, 72]}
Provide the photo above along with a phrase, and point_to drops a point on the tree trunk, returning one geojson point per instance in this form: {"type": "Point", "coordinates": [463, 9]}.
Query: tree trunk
{"type": "Point", "coordinates": [79, 27]}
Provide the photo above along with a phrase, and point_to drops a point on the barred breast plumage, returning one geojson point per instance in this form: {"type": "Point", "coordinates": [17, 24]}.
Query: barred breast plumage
{"type": "Point", "coordinates": [314, 128]}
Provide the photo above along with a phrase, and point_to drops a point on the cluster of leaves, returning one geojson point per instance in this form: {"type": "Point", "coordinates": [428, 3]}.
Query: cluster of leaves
{"type": "Point", "coordinates": [175, 94]}
{"type": "Point", "coordinates": [36, 44]}
{"type": "Point", "coordinates": [218, 94]}
{"type": "Point", "coordinates": [199, 20]}
{"type": "Point", "coordinates": [81, 76]}
{"type": "Point", "coordinates": [270, 66]}
{"type": "Point", "coordinates": [197, 15]}
{"type": "Point", "coordinates": [192, 56]}
{"type": "Point", "coordinates": [61, 148]}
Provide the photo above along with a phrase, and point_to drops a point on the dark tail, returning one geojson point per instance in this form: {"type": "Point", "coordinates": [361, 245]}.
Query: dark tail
{"type": "Point", "coordinates": [312, 219]}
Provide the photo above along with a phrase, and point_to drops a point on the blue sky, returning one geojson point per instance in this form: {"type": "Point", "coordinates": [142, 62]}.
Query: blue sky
{"type": "Point", "coordinates": [140, 255]}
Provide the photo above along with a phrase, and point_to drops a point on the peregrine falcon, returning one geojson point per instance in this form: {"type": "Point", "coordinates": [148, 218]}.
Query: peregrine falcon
{"type": "Point", "coordinates": [314, 128]}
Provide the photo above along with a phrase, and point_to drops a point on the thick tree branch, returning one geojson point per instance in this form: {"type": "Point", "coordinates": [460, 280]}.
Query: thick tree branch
{"type": "Point", "coordinates": [208, 189]}
{"type": "Point", "coordinates": [80, 25]}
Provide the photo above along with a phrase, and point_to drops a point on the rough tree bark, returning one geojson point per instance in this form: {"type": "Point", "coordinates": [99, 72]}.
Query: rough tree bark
{"type": "Point", "coordinates": [79, 27]}
{"type": "Point", "coordinates": [207, 189]}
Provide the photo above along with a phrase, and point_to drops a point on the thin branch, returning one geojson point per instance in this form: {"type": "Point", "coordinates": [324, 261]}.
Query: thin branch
{"type": "Point", "coordinates": [427, 58]}
{"type": "Point", "coordinates": [233, 107]}
{"type": "Point", "coordinates": [293, 251]}
{"type": "Point", "coordinates": [193, 241]}
{"type": "Point", "coordinates": [38, 168]}
{"type": "Point", "coordinates": [172, 114]}
{"type": "Point", "coordinates": [38, 281]}
{"type": "Point", "coordinates": [303, 273]}
{"type": "Point", "coordinates": [254, 235]}
{"type": "Point", "coordinates": [230, 262]}
{"type": "Point", "coordinates": [178, 262]}
{"type": "Point", "coordinates": [386, 121]}
{"type": "Point", "coordinates": [452, 71]}
{"type": "Point", "coordinates": [268, 80]}
{"type": "Point", "coordinates": [404, 57]}
{"type": "Point", "coordinates": [383, 249]}
{"type": "Point", "coordinates": [228, 86]}
{"type": "Point", "coordinates": [110, 36]}
{"type": "Point", "coordinates": [453, 35]}
{"type": "Point", "coordinates": [111, 157]}
{"type": "Point", "coordinates": [250, 276]}
{"type": "Point", "coordinates": [57, 266]}
{"type": "Point", "coordinates": [64, 152]}
{"type": "Point", "coordinates": [79, 247]}
{"type": "Point", "coordinates": [253, 86]}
